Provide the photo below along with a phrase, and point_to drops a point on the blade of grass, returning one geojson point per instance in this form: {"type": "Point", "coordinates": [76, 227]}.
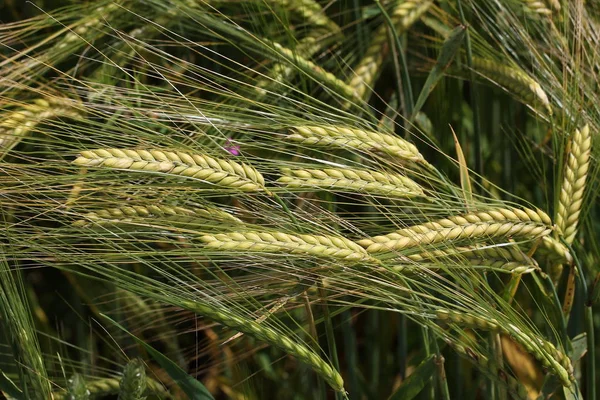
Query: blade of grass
{"type": "Point", "coordinates": [447, 52]}
{"type": "Point", "coordinates": [417, 381]}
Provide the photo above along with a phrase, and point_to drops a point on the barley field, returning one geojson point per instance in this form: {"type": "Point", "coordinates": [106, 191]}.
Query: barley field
{"type": "Point", "coordinates": [299, 199]}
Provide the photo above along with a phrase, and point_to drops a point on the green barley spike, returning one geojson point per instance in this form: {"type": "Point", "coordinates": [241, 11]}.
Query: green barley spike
{"type": "Point", "coordinates": [133, 382]}
{"type": "Point", "coordinates": [77, 389]}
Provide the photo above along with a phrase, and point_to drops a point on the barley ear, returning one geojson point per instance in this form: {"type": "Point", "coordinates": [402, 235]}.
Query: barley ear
{"type": "Point", "coordinates": [220, 172]}
{"type": "Point", "coordinates": [573, 186]}
{"type": "Point", "coordinates": [270, 336]}
{"type": "Point", "coordinates": [133, 381]}
{"type": "Point", "coordinates": [76, 388]}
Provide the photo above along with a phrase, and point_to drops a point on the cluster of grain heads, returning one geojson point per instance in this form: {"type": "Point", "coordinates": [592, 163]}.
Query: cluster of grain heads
{"type": "Point", "coordinates": [270, 336]}
{"type": "Point", "coordinates": [20, 123]}
{"type": "Point", "coordinates": [220, 172]}
{"type": "Point", "coordinates": [544, 351]}
{"type": "Point", "coordinates": [514, 80]}
{"type": "Point", "coordinates": [353, 138]}
{"type": "Point", "coordinates": [483, 225]}
{"type": "Point", "coordinates": [491, 370]}
{"type": "Point", "coordinates": [508, 259]}
{"type": "Point", "coordinates": [351, 180]}
{"type": "Point", "coordinates": [265, 242]}
{"type": "Point", "coordinates": [402, 16]}
{"type": "Point", "coordinates": [573, 186]}
{"type": "Point", "coordinates": [98, 388]}
{"type": "Point", "coordinates": [133, 382]}
{"type": "Point", "coordinates": [172, 213]}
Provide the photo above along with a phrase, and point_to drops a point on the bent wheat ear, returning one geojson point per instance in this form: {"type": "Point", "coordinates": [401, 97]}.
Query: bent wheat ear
{"type": "Point", "coordinates": [127, 213]}
{"type": "Point", "coordinates": [352, 180]}
{"type": "Point", "coordinates": [270, 336]}
{"type": "Point", "coordinates": [513, 79]}
{"type": "Point", "coordinates": [133, 382]}
{"type": "Point", "coordinates": [555, 250]}
{"type": "Point", "coordinates": [491, 370]}
{"type": "Point", "coordinates": [356, 139]}
{"type": "Point", "coordinates": [573, 185]}
{"type": "Point", "coordinates": [365, 73]}
{"type": "Point", "coordinates": [502, 222]}
{"type": "Point", "coordinates": [541, 349]}
{"type": "Point", "coordinates": [217, 171]}
{"type": "Point", "coordinates": [320, 246]}
{"type": "Point", "coordinates": [22, 122]}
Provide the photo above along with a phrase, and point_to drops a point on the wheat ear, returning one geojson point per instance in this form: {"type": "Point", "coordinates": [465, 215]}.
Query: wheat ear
{"type": "Point", "coordinates": [491, 370]}
{"type": "Point", "coordinates": [541, 349]}
{"type": "Point", "coordinates": [573, 185]}
{"type": "Point", "coordinates": [508, 259]}
{"type": "Point", "coordinates": [352, 180]}
{"type": "Point", "coordinates": [22, 122]}
{"type": "Point", "coordinates": [217, 171]}
{"type": "Point", "coordinates": [111, 386]}
{"type": "Point", "coordinates": [514, 80]}
{"type": "Point", "coordinates": [128, 213]}
{"type": "Point", "coordinates": [133, 382]}
{"type": "Point", "coordinates": [356, 139]}
{"type": "Point", "coordinates": [502, 222]}
{"type": "Point", "coordinates": [270, 336]}
{"type": "Point", "coordinates": [320, 246]}
{"type": "Point", "coordinates": [369, 67]}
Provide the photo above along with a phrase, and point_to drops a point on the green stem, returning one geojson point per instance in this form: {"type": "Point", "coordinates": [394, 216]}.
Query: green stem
{"type": "Point", "coordinates": [330, 335]}
{"type": "Point", "coordinates": [442, 380]}
{"type": "Point", "coordinates": [407, 88]}
{"type": "Point", "coordinates": [589, 330]}
{"type": "Point", "coordinates": [474, 95]}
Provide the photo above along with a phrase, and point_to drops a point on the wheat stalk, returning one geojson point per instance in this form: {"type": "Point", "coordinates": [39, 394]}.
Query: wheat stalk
{"type": "Point", "coordinates": [320, 246]}
{"type": "Point", "coordinates": [492, 370]}
{"type": "Point", "coordinates": [514, 80]}
{"type": "Point", "coordinates": [217, 171]}
{"type": "Point", "coordinates": [403, 16]}
{"type": "Point", "coordinates": [501, 222]}
{"type": "Point", "coordinates": [270, 336]}
{"type": "Point", "coordinates": [353, 180]}
{"type": "Point", "coordinates": [573, 186]}
{"type": "Point", "coordinates": [133, 382]}
{"type": "Point", "coordinates": [541, 349]}
{"type": "Point", "coordinates": [356, 139]}
{"type": "Point", "coordinates": [128, 213]}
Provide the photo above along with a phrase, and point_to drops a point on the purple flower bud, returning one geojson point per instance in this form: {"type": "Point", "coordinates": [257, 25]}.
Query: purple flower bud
{"type": "Point", "coordinates": [231, 148]}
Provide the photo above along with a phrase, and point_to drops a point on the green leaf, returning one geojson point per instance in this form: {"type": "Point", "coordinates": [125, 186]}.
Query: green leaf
{"type": "Point", "coordinates": [190, 386]}
{"type": "Point", "coordinates": [8, 387]}
{"type": "Point", "coordinates": [447, 53]}
{"type": "Point", "coordinates": [413, 385]}
{"type": "Point", "coordinates": [579, 347]}
{"type": "Point", "coordinates": [465, 180]}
